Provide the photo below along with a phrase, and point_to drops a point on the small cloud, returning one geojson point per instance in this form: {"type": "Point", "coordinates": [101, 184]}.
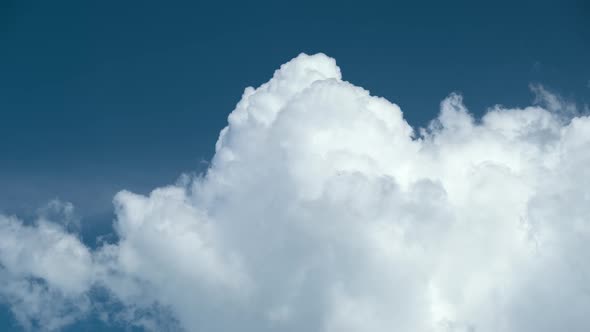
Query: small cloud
{"type": "Point", "coordinates": [60, 212]}
{"type": "Point", "coordinates": [552, 101]}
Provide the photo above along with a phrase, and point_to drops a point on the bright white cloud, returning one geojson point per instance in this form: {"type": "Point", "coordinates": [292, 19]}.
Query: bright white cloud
{"type": "Point", "coordinates": [323, 210]}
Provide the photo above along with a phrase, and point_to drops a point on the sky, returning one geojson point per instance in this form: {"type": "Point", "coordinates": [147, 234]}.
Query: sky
{"type": "Point", "coordinates": [102, 100]}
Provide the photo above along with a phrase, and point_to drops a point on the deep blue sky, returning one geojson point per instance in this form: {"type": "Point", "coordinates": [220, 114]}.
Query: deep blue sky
{"type": "Point", "coordinates": [98, 96]}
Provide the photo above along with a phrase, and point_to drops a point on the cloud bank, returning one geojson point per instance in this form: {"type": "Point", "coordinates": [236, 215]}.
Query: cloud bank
{"type": "Point", "coordinates": [324, 210]}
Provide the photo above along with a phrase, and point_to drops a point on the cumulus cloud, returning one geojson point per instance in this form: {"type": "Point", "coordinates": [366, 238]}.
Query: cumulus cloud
{"type": "Point", "coordinates": [324, 210]}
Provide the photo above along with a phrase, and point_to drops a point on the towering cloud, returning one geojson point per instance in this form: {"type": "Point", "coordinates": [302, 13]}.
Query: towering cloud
{"type": "Point", "coordinates": [323, 210]}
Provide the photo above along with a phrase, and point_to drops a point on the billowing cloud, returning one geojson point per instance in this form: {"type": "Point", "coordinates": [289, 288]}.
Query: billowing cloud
{"type": "Point", "coordinates": [323, 210]}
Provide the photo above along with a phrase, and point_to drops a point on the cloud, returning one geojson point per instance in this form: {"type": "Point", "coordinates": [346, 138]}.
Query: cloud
{"type": "Point", "coordinates": [45, 273]}
{"type": "Point", "coordinates": [552, 101]}
{"type": "Point", "coordinates": [324, 210]}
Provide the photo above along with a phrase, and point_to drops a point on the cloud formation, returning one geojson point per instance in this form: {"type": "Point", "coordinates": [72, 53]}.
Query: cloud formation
{"type": "Point", "coordinates": [324, 210]}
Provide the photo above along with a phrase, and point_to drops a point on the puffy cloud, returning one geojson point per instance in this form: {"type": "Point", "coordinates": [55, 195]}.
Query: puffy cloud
{"type": "Point", "coordinates": [324, 210]}
{"type": "Point", "coordinates": [44, 272]}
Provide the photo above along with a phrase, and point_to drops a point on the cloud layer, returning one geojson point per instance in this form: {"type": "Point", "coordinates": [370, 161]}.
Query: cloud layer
{"type": "Point", "coordinates": [323, 210]}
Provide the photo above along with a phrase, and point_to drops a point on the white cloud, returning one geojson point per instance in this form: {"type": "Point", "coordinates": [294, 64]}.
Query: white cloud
{"type": "Point", "coordinates": [44, 273]}
{"type": "Point", "coordinates": [323, 210]}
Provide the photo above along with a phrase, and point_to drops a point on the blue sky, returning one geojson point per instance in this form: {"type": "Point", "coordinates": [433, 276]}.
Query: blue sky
{"type": "Point", "coordinates": [96, 97]}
